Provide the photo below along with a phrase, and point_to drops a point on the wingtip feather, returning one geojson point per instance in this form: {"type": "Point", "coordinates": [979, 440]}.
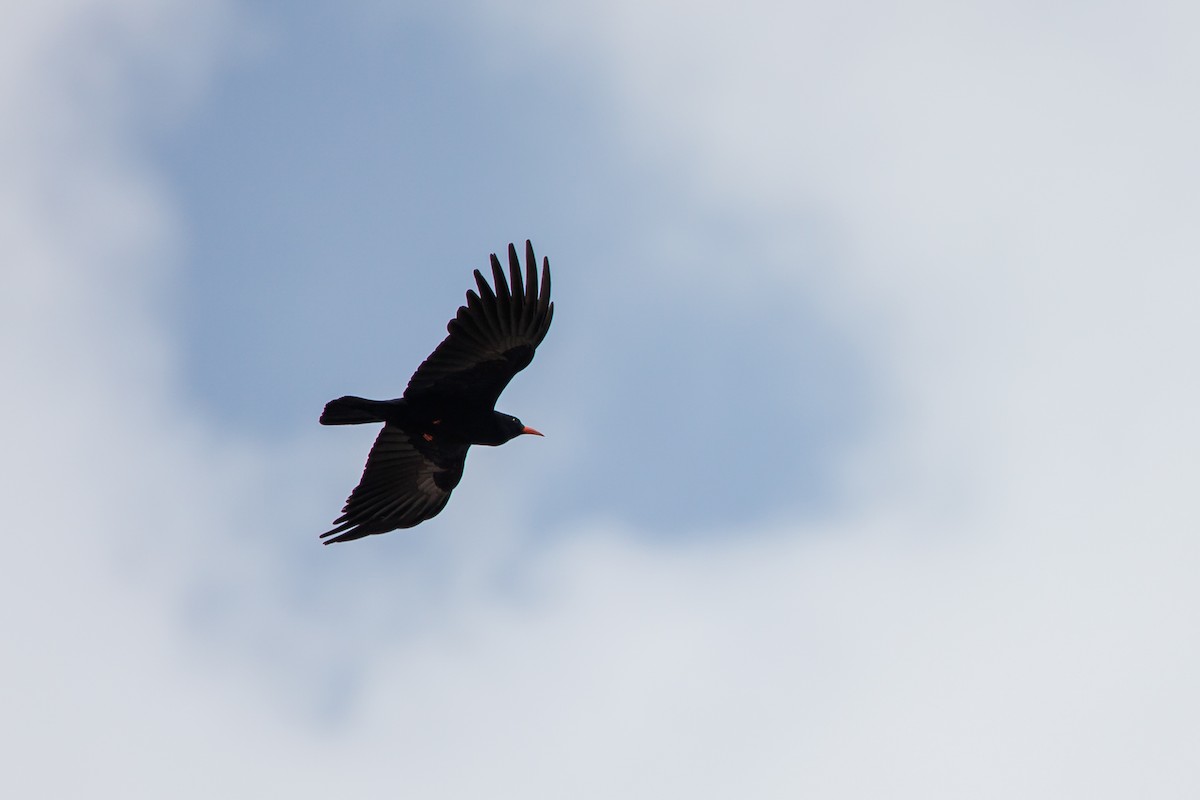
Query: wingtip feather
{"type": "Point", "coordinates": [531, 278]}
{"type": "Point", "coordinates": [502, 293]}
{"type": "Point", "coordinates": [515, 282]}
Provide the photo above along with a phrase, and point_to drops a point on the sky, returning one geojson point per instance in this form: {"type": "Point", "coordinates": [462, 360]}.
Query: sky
{"type": "Point", "coordinates": [869, 400]}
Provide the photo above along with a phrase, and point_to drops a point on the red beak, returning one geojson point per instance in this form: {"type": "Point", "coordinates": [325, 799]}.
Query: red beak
{"type": "Point", "coordinates": [528, 429]}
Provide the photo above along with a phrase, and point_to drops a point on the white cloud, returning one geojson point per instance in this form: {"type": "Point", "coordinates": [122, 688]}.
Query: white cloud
{"type": "Point", "coordinates": [1014, 193]}
{"type": "Point", "coordinates": [1009, 611]}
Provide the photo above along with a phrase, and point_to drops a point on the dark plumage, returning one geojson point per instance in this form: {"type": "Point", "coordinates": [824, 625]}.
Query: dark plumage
{"type": "Point", "coordinates": [417, 460]}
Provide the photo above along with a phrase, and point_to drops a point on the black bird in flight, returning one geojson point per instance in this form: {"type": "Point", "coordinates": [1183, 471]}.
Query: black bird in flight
{"type": "Point", "coordinates": [418, 458]}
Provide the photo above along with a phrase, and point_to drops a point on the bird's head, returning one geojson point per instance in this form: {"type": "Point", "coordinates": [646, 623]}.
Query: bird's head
{"type": "Point", "coordinates": [511, 427]}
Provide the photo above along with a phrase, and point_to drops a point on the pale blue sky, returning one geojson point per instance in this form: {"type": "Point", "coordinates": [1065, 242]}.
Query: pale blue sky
{"type": "Point", "coordinates": [339, 185]}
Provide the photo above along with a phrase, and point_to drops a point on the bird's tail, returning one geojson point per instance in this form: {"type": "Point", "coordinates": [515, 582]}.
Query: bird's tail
{"type": "Point", "coordinates": [353, 411]}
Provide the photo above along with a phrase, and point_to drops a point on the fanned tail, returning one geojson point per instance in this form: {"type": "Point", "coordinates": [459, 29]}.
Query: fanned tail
{"type": "Point", "coordinates": [354, 411]}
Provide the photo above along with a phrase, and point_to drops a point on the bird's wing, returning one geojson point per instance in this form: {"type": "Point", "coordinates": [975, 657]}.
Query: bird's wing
{"type": "Point", "coordinates": [407, 480]}
{"type": "Point", "coordinates": [492, 338]}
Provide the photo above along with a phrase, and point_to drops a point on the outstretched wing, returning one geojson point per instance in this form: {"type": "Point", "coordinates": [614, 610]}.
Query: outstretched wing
{"type": "Point", "coordinates": [492, 338]}
{"type": "Point", "coordinates": [407, 480]}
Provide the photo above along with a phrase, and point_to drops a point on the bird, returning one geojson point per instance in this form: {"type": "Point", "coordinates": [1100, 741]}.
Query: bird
{"type": "Point", "coordinates": [448, 405]}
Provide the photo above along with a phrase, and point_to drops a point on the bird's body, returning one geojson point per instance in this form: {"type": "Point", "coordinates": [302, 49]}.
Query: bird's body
{"type": "Point", "coordinates": [418, 457]}
{"type": "Point", "coordinates": [447, 424]}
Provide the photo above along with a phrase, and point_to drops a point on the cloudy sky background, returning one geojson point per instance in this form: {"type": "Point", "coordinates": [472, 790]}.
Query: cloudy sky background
{"type": "Point", "coordinates": [871, 399]}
